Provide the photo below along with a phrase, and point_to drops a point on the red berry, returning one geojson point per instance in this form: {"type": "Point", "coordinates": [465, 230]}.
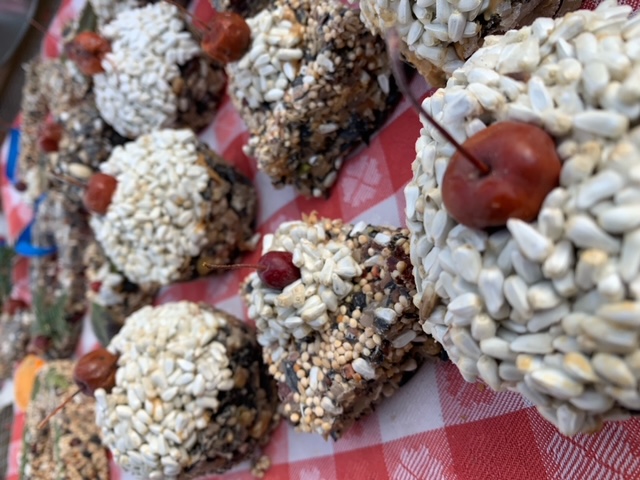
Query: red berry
{"type": "Point", "coordinates": [276, 270]}
{"type": "Point", "coordinates": [14, 305]}
{"type": "Point", "coordinates": [50, 137]}
{"type": "Point", "coordinates": [87, 50]}
{"type": "Point", "coordinates": [228, 38]}
{"type": "Point", "coordinates": [95, 286]}
{"type": "Point", "coordinates": [99, 192]}
{"type": "Point", "coordinates": [39, 345]}
{"type": "Point", "coordinates": [524, 168]}
{"type": "Point", "coordinates": [96, 369]}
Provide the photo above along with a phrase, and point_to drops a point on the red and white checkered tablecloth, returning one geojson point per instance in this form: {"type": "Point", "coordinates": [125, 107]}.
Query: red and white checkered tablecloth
{"type": "Point", "coordinates": [435, 427]}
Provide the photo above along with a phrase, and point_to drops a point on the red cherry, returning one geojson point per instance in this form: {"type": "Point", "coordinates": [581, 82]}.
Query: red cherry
{"type": "Point", "coordinates": [227, 39]}
{"type": "Point", "coordinates": [524, 168]}
{"type": "Point", "coordinates": [39, 345]}
{"type": "Point", "coordinates": [50, 137]}
{"type": "Point", "coordinates": [87, 50]}
{"type": "Point", "coordinates": [14, 305]}
{"type": "Point", "coordinates": [99, 192]}
{"type": "Point", "coordinates": [276, 270]}
{"type": "Point", "coordinates": [505, 171]}
{"type": "Point", "coordinates": [96, 369]}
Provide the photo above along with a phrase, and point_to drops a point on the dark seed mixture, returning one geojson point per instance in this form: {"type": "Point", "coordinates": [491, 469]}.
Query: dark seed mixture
{"type": "Point", "coordinates": [68, 447]}
{"type": "Point", "coordinates": [334, 90]}
{"type": "Point", "coordinates": [347, 333]}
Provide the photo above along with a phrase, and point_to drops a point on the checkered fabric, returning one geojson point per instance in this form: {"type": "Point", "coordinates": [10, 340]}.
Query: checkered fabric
{"type": "Point", "coordinates": [435, 427]}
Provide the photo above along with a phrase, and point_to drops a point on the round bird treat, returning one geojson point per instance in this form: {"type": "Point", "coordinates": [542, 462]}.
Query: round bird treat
{"type": "Point", "coordinates": [548, 308]}
{"type": "Point", "coordinates": [191, 394]}
{"type": "Point", "coordinates": [345, 334]}
{"type": "Point", "coordinates": [314, 84]}
{"type": "Point", "coordinates": [156, 75]}
{"type": "Point", "coordinates": [176, 205]}
{"type": "Point", "coordinates": [438, 36]}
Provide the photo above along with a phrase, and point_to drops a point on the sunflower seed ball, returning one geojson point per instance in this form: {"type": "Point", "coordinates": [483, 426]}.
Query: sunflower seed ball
{"type": "Point", "coordinates": [191, 396]}
{"type": "Point", "coordinates": [156, 75]}
{"type": "Point", "coordinates": [177, 204]}
{"type": "Point", "coordinates": [346, 334]}
{"type": "Point", "coordinates": [438, 36]}
{"type": "Point", "coordinates": [549, 308]}
{"type": "Point", "coordinates": [313, 85]}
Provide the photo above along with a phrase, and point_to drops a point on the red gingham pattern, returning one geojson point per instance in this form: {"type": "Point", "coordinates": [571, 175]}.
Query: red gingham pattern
{"type": "Point", "coordinates": [435, 427]}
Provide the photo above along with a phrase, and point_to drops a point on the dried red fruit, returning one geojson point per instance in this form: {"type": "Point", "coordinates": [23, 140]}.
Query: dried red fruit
{"type": "Point", "coordinates": [87, 50]}
{"type": "Point", "coordinates": [505, 171]}
{"type": "Point", "coordinates": [96, 369]}
{"type": "Point", "coordinates": [39, 345]}
{"type": "Point", "coordinates": [227, 38]}
{"type": "Point", "coordinates": [276, 270]}
{"type": "Point", "coordinates": [524, 168]}
{"type": "Point", "coordinates": [99, 192]}
{"type": "Point", "coordinates": [14, 305]}
{"type": "Point", "coordinates": [50, 137]}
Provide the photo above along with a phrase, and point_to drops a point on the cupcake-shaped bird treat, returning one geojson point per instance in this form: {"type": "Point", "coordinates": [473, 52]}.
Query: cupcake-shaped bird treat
{"type": "Point", "coordinates": [335, 318]}
{"type": "Point", "coordinates": [313, 85]}
{"type": "Point", "coordinates": [438, 36]}
{"type": "Point", "coordinates": [165, 204]}
{"type": "Point", "coordinates": [155, 75]}
{"type": "Point", "coordinates": [191, 396]}
{"type": "Point", "coordinates": [540, 286]}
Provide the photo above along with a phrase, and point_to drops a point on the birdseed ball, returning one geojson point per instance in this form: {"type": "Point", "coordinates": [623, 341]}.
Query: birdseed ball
{"type": "Point", "coordinates": [548, 308]}
{"type": "Point", "coordinates": [346, 334]}
{"type": "Point", "coordinates": [191, 397]}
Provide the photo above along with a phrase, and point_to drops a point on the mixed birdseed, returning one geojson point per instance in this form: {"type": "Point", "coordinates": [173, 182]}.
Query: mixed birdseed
{"type": "Point", "coordinates": [14, 338]}
{"type": "Point", "coordinates": [86, 142]}
{"type": "Point", "coordinates": [191, 395]}
{"type": "Point", "coordinates": [551, 308]}
{"type": "Point", "coordinates": [156, 75]}
{"type": "Point", "coordinates": [176, 206]}
{"type": "Point", "coordinates": [111, 296]}
{"type": "Point", "coordinates": [346, 333]}
{"type": "Point", "coordinates": [437, 36]}
{"type": "Point", "coordinates": [314, 85]}
{"type": "Point", "coordinates": [68, 446]}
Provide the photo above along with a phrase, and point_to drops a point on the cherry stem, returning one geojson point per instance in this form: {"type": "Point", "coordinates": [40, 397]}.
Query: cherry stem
{"type": "Point", "coordinates": [233, 267]}
{"type": "Point", "coordinates": [57, 409]}
{"type": "Point", "coordinates": [397, 65]}
{"type": "Point", "coordinates": [69, 180]}
{"type": "Point", "coordinates": [187, 13]}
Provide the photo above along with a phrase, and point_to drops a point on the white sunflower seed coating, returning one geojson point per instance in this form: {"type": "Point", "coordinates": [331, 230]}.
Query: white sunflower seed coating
{"type": "Point", "coordinates": [558, 298]}
{"type": "Point", "coordinates": [155, 220]}
{"type": "Point", "coordinates": [148, 46]}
